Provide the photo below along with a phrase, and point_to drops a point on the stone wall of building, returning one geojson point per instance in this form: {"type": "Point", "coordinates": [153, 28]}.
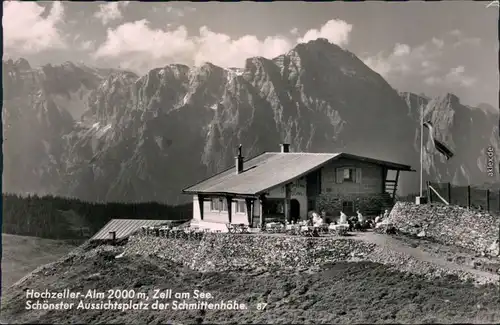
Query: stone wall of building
{"type": "Point", "coordinates": [451, 225]}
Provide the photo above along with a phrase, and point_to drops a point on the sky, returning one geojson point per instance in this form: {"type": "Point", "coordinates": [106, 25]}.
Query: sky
{"type": "Point", "coordinates": [423, 47]}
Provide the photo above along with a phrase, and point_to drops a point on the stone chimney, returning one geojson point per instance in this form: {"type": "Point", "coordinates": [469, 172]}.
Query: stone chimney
{"type": "Point", "coordinates": [285, 147]}
{"type": "Point", "coordinates": [239, 161]}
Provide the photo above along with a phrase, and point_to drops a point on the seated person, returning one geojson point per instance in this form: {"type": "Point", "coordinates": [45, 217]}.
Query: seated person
{"type": "Point", "coordinates": [343, 218]}
{"type": "Point", "coordinates": [357, 226]}
{"type": "Point", "coordinates": [361, 218]}
{"type": "Point", "coordinates": [310, 217]}
{"type": "Point", "coordinates": [363, 222]}
{"type": "Point", "coordinates": [317, 220]}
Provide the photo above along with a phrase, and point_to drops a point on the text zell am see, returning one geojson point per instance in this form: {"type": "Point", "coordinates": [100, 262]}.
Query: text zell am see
{"type": "Point", "coordinates": [123, 300]}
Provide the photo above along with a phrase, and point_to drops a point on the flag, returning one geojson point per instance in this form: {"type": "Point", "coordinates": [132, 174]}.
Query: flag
{"type": "Point", "coordinates": [441, 147]}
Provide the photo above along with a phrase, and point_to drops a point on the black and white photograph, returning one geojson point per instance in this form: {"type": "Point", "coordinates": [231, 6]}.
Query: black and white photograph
{"type": "Point", "coordinates": [250, 162]}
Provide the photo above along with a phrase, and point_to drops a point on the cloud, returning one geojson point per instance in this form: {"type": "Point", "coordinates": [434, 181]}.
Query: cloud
{"type": "Point", "coordinates": [175, 11]}
{"type": "Point", "coordinates": [438, 42]}
{"type": "Point", "coordinates": [433, 67]}
{"type": "Point", "coordinates": [139, 47]}
{"type": "Point", "coordinates": [83, 45]}
{"type": "Point", "coordinates": [27, 32]}
{"type": "Point", "coordinates": [111, 11]}
{"type": "Point", "coordinates": [401, 49]}
{"type": "Point", "coordinates": [87, 45]}
{"type": "Point", "coordinates": [404, 60]}
{"type": "Point", "coordinates": [455, 77]}
{"type": "Point", "coordinates": [468, 41]}
{"type": "Point", "coordinates": [336, 31]}
{"type": "Point", "coordinates": [459, 39]}
{"type": "Point", "coordinates": [171, 11]}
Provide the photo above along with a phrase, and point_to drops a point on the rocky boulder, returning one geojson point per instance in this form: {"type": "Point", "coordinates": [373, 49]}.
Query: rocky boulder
{"type": "Point", "coordinates": [447, 224]}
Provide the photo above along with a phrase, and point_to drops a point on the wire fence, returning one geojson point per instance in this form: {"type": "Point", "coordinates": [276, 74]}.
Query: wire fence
{"type": "Point", "coordinates": [465, 196]}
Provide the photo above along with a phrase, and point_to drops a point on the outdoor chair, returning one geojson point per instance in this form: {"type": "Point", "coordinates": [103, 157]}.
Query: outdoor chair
{"type": "Point", "coordinates": [342, 230]}
{"type": "Point", "coordinates": [242, 228]}
{"type": "Point", "coordinates": [323, 228]}
{"type": "Point", "coordinates": [164, 230]}
{"type": "Point", "coordinates": [230, 228]}
{"type": "Point", "coordinates": [273, 227]}
{"type": "Point", "coordinates": [339, 229]}
{"type": "Point", "coordinates": [306, 231]}
{"type": "Point", "coordinates": [292, 229]}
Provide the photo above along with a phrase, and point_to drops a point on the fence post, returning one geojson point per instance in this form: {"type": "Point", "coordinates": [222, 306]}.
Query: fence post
{"type": "Point", "coordinates": [449, 193]}
{"type": "Point", "coordinates": [429, 193]}
{"type": "Point", "coordinates": [488, 200]}
{"type": "Point", "coordinates": [499, 204]}
{"type": "Point", "coordinates": [468, 197]}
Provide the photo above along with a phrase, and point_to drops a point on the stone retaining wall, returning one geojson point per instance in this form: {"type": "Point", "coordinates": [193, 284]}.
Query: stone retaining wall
{"type": "Point", "coordinates": [219, 252]}
{"type": "Point", "coordinates": [451, 225]}
{"type": "Point", "coordinates": [235, 252]}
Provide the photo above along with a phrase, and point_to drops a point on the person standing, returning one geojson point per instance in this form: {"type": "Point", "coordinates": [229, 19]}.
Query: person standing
{"type": "Point", "coordinates": [343, 218]}
{"type": "Point", "coordinates": [361, 219]}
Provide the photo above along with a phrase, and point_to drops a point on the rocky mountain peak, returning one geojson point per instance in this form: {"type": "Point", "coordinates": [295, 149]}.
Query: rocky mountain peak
{"type": "Point", "coordinates": [22, 64]}
{"type": "Point", "coordinates": [103, 134]}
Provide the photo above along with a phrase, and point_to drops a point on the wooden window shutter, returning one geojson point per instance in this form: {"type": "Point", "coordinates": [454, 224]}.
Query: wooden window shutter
{"type": "Point", "coordinates": [358, 175]}
{"type": "Point", "coordinates": [339, 175]}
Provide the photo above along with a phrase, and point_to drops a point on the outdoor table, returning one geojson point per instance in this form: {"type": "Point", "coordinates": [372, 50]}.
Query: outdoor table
{"type": "Point", "coordinates": [339, 229]}
{"type": "Point", "coordinates": [274, 227]}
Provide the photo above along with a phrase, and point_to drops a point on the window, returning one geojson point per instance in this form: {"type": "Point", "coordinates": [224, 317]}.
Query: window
{"type": "Point", "coordinates": [349, 174]}
{"type": "Point", "coordinates": [274, 206]}
{"type": "Point", "coordinates": [224, 205]}
{"type": "Point", "coordinates": [348, 207]}
{"type": "Point", "coordinates": [215, 205]}
{"type": "Point", "coordinates": [311, 205]}
{"type": "Point", "coordinates": [241, 206]}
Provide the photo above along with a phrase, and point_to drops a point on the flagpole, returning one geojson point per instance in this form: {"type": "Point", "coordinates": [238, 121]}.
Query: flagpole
{"type": "Point", "coordinates": [421, 149]}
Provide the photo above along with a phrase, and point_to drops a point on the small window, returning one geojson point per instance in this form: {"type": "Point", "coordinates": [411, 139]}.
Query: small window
{"type": "Point", "coordinates": [215, 205]}
{"type": "Point", "coordinates": [224, 205]}
{"type": "Point", "coordinates": [311, 205]}
{"type": "Point", "coordinates": [273, 206]}
{"type": "Point", "coordinates": [241, 206]}
{"type": "Point", "coordinates": [348, 204]}
{"type": "Point", "coordinates": [348, 207]}
{"type": "Point", "coordinates": [349, 174]}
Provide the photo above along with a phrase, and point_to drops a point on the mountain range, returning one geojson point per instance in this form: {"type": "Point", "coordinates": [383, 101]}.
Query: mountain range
{"type": "Point", "coordinates": [111, 135]}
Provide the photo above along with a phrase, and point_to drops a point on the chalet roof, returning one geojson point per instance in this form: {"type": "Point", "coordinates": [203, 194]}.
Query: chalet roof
{"type": "Point", "coordinates": [272, 169]}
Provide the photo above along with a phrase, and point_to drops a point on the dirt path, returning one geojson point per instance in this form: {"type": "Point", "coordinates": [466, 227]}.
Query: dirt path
{"type": "Point", "coordinates": [395, 244]}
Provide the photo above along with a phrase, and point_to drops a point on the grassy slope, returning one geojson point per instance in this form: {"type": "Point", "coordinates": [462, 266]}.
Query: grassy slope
{"type": "Point", "coordinates": [22, 254]}
{"type": "Point", "coordinates": [341, 293]}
